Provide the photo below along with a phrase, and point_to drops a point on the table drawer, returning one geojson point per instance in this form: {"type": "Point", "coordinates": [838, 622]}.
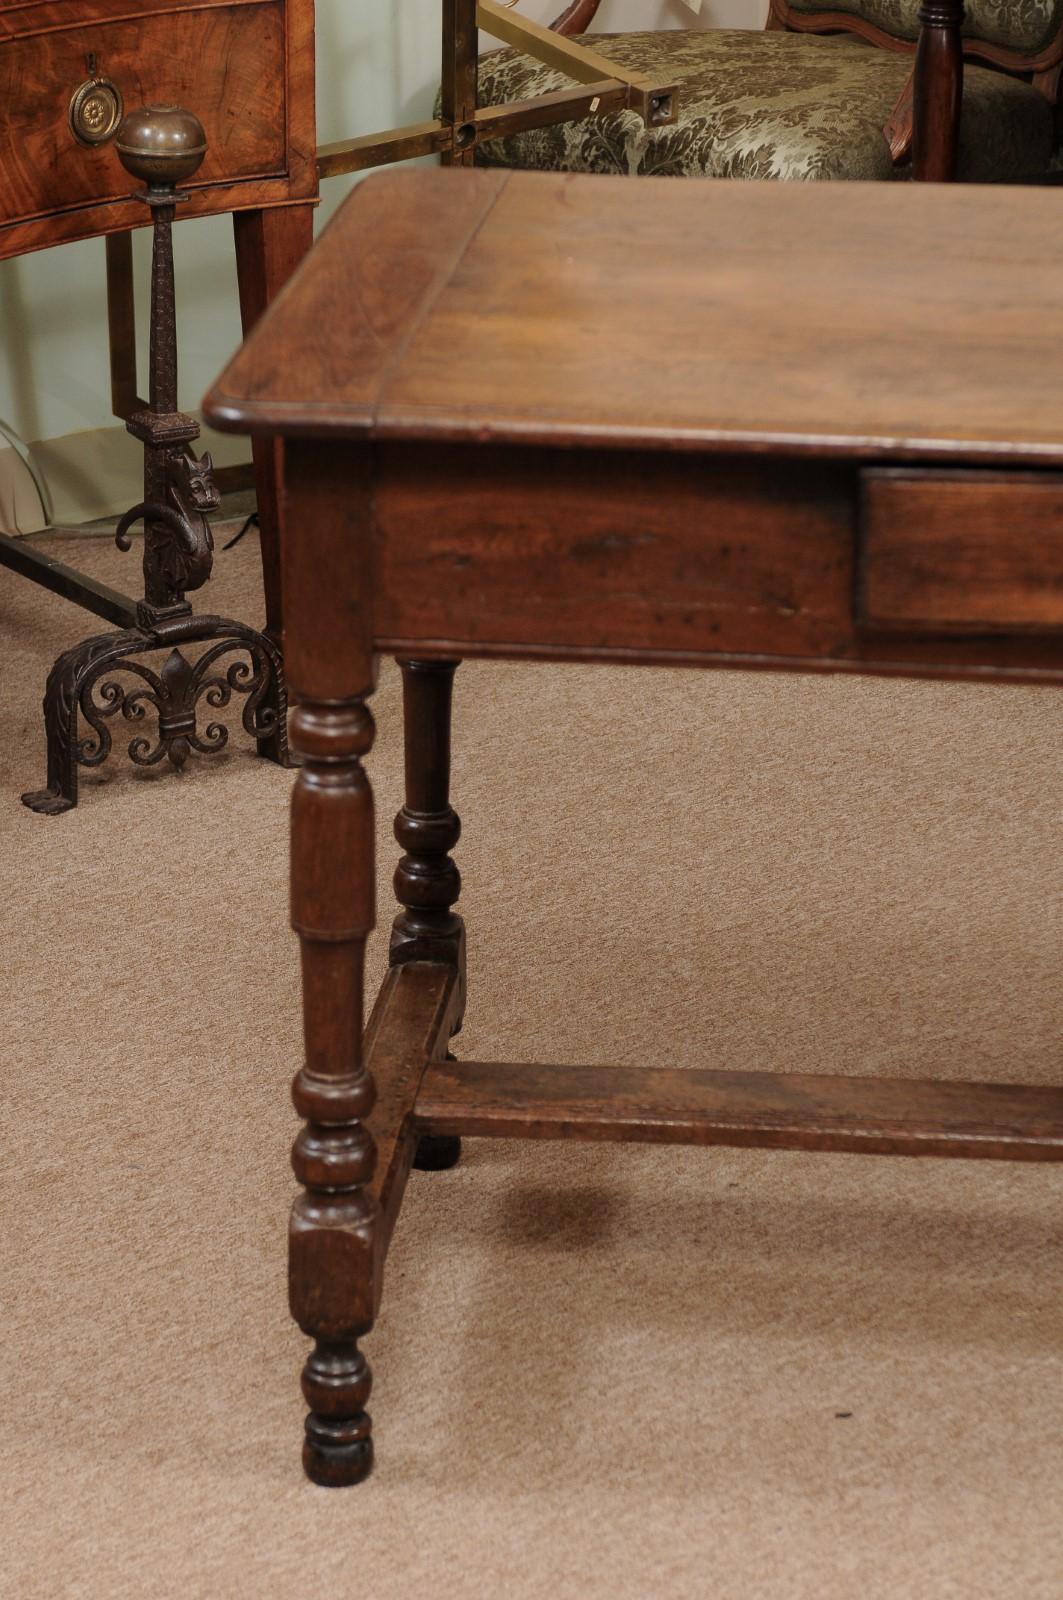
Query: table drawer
{"type": "Point", "coordinates": [969, 552]}
{"type": "Point", "coordinates": [225, 62]}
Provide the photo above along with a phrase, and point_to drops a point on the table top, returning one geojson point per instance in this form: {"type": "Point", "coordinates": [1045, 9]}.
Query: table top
{"type": "Point", "coordinates": [902, 321]}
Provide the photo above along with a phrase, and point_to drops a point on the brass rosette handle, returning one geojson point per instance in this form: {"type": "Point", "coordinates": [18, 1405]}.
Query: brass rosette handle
{"type": "Point", "coordinates": [95, 111]}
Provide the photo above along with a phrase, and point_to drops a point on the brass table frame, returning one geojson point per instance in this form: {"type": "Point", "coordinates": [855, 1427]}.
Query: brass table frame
{"type": "Point", "coordinates": [604, 86]}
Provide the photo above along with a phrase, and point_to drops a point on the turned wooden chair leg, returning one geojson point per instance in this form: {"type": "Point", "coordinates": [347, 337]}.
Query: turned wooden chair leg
{"type": "Point", "coordinates": [937, 91]}
{"type": "Point", "coordinates": [335, 1235]}
{"type": "Point", "coordinates": [427, 881]}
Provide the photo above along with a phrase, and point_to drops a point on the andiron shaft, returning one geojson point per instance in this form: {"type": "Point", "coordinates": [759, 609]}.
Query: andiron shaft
{"type": "Point", "coordinates": [160, 146]}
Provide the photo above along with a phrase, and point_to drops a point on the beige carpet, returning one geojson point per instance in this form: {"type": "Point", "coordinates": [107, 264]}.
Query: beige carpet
{"type": "Point", "coordinates": [600, 1372]}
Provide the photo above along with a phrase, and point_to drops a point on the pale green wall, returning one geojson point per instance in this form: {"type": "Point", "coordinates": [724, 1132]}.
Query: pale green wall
{"type": "Point", "coordinates": [376, 67]}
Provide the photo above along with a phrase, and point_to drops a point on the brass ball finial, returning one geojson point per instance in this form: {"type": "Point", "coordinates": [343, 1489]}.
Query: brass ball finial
{"type": "Point", "coordinates": [161, 144]}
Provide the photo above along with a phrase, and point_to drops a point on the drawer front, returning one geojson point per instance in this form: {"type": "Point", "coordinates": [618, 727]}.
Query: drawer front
{"type": "Point", "coordinates": [225, 62]}
{"type": "Point", "coordinates": [612, 551]}
{"type": "Point", "coordinates": [961, 552]}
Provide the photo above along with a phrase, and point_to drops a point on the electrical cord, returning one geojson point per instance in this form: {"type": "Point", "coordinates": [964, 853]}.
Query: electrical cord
{"type": "Point", "coordinates": [39, 481]}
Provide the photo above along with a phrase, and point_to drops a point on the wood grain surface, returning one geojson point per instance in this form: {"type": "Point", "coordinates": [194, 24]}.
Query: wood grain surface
{"type": "Point", "coordinates": [906, 322]}
{"type": "Point", "coordinates": [723, 560]}
{"type": "Point", "coordinates": [779, 1111]}
{"type": "Point", "coordinates": [964, 551]}
{"type": "Point", "coordinates": [595, 549]}
{"type": "Point", "coordinates": [227, 63]}
{"type": "Point", "coordinates": [246, 67]}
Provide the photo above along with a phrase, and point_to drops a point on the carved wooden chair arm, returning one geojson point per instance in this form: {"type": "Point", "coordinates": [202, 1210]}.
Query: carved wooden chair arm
{"type": "Point", "coordinates": [898, 125]}
{"type": "Point", "coordinates": [577, 18]}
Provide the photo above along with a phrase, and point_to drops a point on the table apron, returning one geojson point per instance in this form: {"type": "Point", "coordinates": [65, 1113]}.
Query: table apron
{"type": "Point", "coordinates": [717, 560]}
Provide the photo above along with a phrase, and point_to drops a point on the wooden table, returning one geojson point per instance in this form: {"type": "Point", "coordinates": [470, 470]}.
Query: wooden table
{"type": "Point", "coordinates": [797, 427]}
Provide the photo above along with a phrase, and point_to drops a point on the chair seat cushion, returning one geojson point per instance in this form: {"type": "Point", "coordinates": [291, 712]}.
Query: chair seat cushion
{"type": "Point", "coordinates": [763, 105]}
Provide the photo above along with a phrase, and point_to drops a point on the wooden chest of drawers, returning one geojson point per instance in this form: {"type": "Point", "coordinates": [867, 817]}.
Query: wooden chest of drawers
{"type": "Point", "coordinates": [245, 67]}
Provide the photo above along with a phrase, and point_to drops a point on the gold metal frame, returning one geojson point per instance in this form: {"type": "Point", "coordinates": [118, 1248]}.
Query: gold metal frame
{"type": "Point", "coordinates": [603, 86]}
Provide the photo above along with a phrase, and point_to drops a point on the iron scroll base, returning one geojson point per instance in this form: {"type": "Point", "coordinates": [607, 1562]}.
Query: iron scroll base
{"type": "Point", "coordinates": [240, 660]}
{"type": "Point", "coordinates": [161, 146]}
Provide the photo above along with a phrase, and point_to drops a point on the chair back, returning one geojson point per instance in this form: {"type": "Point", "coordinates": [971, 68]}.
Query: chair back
{"type": "Point", "coordinates": [1020, 35]}
{"type": "Point", "coordinates": [1023, 36]}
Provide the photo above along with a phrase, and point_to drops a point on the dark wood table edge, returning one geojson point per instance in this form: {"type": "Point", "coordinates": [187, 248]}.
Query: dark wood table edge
{"type": "Point", "coordinates": [305, 420]}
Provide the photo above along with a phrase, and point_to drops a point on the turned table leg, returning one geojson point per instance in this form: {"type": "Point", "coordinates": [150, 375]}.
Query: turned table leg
{"type": "Point", "coordinates": [427, 881]}
{"type": "Point", "coordinates": [336, 1240]}
{"type": "Point", "coordinates": [333, 1237]}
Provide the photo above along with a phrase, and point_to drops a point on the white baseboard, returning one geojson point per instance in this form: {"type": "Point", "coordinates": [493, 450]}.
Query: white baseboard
{"type": "Point", "coordinates": [20, 504]}
{"type": "Point", "coordinates": [94, 474]}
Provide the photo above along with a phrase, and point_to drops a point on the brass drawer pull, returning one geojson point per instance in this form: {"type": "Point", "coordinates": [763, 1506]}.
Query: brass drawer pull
{"type": "Point", "coordinates": [95, 111]}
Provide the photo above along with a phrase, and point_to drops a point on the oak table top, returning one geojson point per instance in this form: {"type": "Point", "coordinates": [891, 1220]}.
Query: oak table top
{"type": "Point", "coordinates": [914, 321]}
{"type": "Point", "coordinates": [789, 426]}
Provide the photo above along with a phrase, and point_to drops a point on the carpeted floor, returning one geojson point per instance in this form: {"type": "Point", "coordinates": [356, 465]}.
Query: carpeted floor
{"type": "Point", "coordinates": [600, 1372]}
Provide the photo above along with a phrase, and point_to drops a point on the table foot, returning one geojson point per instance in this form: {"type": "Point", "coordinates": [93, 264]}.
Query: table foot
{"type": "Point", "coordinates": [437, 1153]}
{"type": "Point", "coordinates": [338, 1450]}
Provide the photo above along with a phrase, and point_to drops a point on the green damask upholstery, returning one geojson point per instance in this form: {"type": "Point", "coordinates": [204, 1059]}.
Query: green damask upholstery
{"type": "Point", "coordinates": [764, 105]}
{"type": "Point", "coordinates": [1025, 26]}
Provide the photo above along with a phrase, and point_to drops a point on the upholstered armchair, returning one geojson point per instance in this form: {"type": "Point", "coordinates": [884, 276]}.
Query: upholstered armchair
{"type": "Point", "coordinates": [840, 93]}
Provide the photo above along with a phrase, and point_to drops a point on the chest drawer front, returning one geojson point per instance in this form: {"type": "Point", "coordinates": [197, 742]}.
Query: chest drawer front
{"type": "Point", "coordinates": [224, 62]}
{"type": "Point", "coordinates": [970, 552]}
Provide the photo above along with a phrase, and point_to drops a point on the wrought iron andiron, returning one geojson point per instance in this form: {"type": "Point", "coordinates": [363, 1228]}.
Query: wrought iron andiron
{"type": "Point", "coordinates": [161, 146]}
